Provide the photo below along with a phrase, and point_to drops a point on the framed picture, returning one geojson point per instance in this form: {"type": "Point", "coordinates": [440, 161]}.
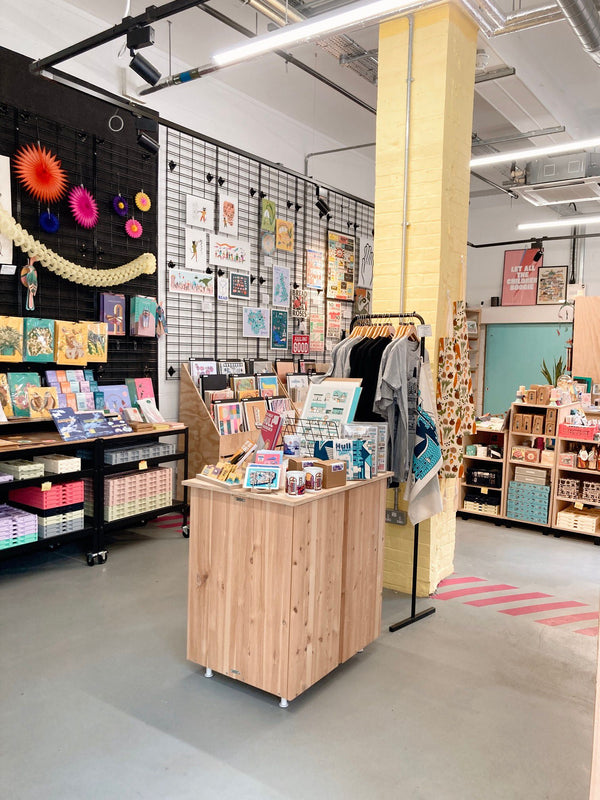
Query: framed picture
{"type": "Point", "coordinates": [279, 329]}
{"type": "Point", "coordinates": [520, 277]}
{"type": "Point", "coordinates": [239, 284]}
{"type": "Point", "coordinates": [472, 327]}
{"type": "Point", "coordinates": [552, 285]}
{"type": "Point", "coordinates": [587, 382]}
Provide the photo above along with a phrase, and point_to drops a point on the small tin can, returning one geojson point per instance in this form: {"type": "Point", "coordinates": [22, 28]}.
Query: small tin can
{"type": "Point", "coordinates": [294, 483]}
{"type": "Point", "coordinates": [313, 477]}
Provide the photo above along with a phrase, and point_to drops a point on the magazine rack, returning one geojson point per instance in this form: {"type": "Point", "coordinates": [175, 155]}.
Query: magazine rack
{"type": "Point", "coordinates": [311, 431]}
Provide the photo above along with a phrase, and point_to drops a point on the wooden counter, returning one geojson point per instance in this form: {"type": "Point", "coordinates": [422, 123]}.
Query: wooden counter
{"type": "Point", "coordinates": [283, 589]}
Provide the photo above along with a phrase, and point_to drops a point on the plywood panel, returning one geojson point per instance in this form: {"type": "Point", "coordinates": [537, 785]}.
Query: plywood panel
{"type": "Point", "coordinates": [362, 578]}
{"type": "Point", "coordinates": [204, 437]}
{"type": "Point", "coordinates": [240, 589]}
{"type": "Point", "coordinates": [315, 592]}
{"type": "Point", "coordinates": [586, 338]}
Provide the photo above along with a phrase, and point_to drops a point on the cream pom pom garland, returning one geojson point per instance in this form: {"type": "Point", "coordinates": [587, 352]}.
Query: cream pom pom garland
{"type": "Point", "coordinates": [85, 276]}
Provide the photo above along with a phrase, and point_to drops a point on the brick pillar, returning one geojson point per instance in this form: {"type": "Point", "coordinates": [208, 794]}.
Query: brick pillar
{"type": "Point", "coordinates": [443, 71]}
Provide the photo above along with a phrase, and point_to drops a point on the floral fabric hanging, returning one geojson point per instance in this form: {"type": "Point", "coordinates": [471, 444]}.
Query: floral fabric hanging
{"type": "Point", "coordinates": [455, 404]}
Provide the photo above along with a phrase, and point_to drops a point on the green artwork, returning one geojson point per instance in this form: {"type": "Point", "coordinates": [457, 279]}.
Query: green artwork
{"type": "Point", "coordinates": [268, 215]}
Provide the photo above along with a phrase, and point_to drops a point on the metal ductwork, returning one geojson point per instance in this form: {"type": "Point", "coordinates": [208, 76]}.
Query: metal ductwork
{"type": "Point", "coordinates": [583, 17]}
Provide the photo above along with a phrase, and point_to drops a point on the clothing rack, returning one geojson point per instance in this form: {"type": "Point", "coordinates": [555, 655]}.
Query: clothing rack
{"type": "Point", "coordinates": [414, 616]}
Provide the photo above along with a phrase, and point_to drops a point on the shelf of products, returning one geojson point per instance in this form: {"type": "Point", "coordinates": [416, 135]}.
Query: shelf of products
{"type": "Point", "coordinates": [482, 488]}
{"type": "Point", "coordinates": [476, 335]}
{"type": "Point", "coordinates": [577, 487]}
{"type": "Point", "coordinates": [75, 515]}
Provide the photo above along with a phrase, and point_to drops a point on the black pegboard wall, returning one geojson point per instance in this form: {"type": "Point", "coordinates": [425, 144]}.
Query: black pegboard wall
{"type": "Point", "coordinates": [190, 162]}
{"type": "Point", "coordinates": [105, 163]}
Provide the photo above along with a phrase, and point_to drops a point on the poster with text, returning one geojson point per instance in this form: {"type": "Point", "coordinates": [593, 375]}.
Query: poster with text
{"type": "Point", "coordinates": [334, 320]}
{"type": "Point", "coordinates": [317, 332]}
{"type": "Point", "coordinates": [256, 323]}
{"type": "Point", "coordinates": [281, 286]}
{"type": "Point", "coordinates": [228, 214]}
{"type": "Point", "coordinates": [340, 266]}
{"type": "Point", "coordinates": [279, 329]}
{"type": "Point", "coordinates": [225, 252]}
{"type": "Point", "coordinates": [315, 269]}
{"type": "Point", "coordinates": [6, 245]}
{"type": "Point", "coordinates": [365, 263]}
{"type": "Point", "coordinates": [182, 281]}
{"type": "Point", "coordinates": [239, 284]}
{"type": "Point", "coordinates": [199, 212]}
{"type": "Point", "coordinates": [195, 248]}
{"type": "Point", "coordinates": [519, 284]}
{"type": "Point", "coordinates": [299, 304]}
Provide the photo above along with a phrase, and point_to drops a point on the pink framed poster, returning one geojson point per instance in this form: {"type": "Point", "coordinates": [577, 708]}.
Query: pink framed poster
{"type": "Point", "coordinates": [519, 283]}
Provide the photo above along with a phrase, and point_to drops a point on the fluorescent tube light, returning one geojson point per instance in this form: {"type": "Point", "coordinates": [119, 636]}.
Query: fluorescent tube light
{"type": "Point", "coordinates": [309, 29]}
{"type": "Point", "coordinates": [534, 152]}
{"type": "Point", "coordinates": [584, 219]}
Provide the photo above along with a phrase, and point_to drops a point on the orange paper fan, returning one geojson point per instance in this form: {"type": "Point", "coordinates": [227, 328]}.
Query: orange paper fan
{"type": "Point", "coordinates": [40, 173]}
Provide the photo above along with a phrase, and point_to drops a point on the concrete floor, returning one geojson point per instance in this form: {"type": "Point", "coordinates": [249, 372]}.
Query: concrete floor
{"type": "Point", "coordinates": [98, 700]}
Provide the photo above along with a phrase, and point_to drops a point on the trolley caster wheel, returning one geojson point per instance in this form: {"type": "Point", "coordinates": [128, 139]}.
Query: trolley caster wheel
{"type": "Point", "coordinates": [185, 531]}
{"type": "Point", "coordinates": [508, 524]}
{"type": "Point", "coordinates": [597, 541]}
{"type": "Point", "coordinates": [558, 535]}
{"type": "Point", "coordinates": [102, 557]}
{"type": "Point", "coordinates": [90, 558]}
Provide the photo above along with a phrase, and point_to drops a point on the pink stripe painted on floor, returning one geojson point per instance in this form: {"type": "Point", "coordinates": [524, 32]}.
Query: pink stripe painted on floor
{"type": "Point", "coordinates": [588, 631]}
{"type": "Point", "coordinates": [496, 587]}
{"type": "Point", "coordinates": [568, 618]}
{"type": "Point", "coordinates": [170, 517]}
{"type": "Point", "coordinates": [509, 598]}
{"type": "Point", "coordinates": [454, 581]}
{"type": "Point", "coordinates": [172, 525]}
{"type": "Point", "coordinates": [517, 612]}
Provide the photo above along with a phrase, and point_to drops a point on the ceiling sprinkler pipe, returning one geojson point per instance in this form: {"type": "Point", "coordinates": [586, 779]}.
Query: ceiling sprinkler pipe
{"type": "Point", "coordinates": [582, 16]}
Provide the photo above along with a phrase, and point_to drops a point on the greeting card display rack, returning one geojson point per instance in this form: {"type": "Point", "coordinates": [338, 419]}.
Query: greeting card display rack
{"type": "Point", "coordinates": [310, 431]}
{"type": "Point", "coordinates": [414, 615]}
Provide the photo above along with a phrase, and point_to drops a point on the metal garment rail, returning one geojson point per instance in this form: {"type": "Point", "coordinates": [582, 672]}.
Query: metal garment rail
{"type": "Point", "coordinates": [414, 616]}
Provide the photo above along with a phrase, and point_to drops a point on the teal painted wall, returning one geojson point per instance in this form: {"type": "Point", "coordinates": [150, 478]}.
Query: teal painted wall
{"type": "Point", "coordinates": [513, 356]}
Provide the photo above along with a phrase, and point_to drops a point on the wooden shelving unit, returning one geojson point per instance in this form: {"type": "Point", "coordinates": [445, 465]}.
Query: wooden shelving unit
{"type": "Point", "coordinates": [485, 437]}
{"type": "Point", "coordinates": [477, 357]}
{"type": "Point", "coordinates": [564, 445]}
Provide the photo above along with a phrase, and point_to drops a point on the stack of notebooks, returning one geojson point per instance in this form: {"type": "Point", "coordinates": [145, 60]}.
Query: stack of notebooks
{"type": "Point", "coordinates": [239, 403]}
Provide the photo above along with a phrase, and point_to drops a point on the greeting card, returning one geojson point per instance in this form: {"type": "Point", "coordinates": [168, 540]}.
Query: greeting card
{"type": "Point", "coordinates": [97, 341]}
{"type": "Point", "coordinates": [38, 339]}
{"type": "Point", "coordinates": [11, 339]}
{"type": "Point", "coordinates": [142, 316]}
{"type": "Point", "coordinates": [70, 342]}
{"type": "Point", "coordinates": [112, 311]}
{"type": "Point", "coordinates": [41, 400]}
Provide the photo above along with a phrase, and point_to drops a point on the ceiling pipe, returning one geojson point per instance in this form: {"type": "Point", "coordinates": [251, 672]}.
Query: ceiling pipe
{"type": "Point", "coordinates": [532, 18]}
{"type": "Point", "coordinates": [198, 72]}
{"type": "Point", "coordinates": [496, 186]}
{"type": "Point", "coordinates": [566, 237]}
{"type": "Point", "coordinates": [583, 17]}
{"type": "Point", "coordinates": [308, 156]}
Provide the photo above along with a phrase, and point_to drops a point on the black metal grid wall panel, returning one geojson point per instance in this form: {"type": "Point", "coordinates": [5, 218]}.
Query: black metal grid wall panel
{"type": "Point", "coordinates": [208, 169]}
{"type": "Point", "coordinates": [105, 166]}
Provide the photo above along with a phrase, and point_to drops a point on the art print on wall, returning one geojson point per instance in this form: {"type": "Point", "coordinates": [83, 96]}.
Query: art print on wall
{"type": "Point", "coordinates": [267, 243]}
{"type": "Point", "coordinates": [366, 261]}
{"type": "Point", "coordinates": [299, 304]}
{"type": "Point", "coordinates": [256, 323]}
{"type": "Point", "coordinates": [281, 286]}
{"type": "Point", "coordinates": [239, 284]}
{"type": "Point", "coordinates": [284, 235]}
{"type": "Point", "coordinates": [317, 333]}
{"type": "Point", "coordinates": [315, 269]}
{"type": "Point", "coordinates": [224, 252]}
{"type": "Point", "coordinates": [362, 300]}
{"type": "Point", "coordinates": [519, 284]}
{"type": "Point", "coordinates": [183, 281]}
{"type": "Point", "coordinates": [268, 215]}
{"type": "Point", "coordinates": [334, 320]}
{"type": "Point", "coordinates": [552, 285]}
{"type": "Point", "coordinates": [6, 245]}
{"type": "Point", "coordinates": [199, 212]}
{"type": "Point", "coordinates": [340, 266]}
{"type": "Point", "coordinates": [222, 288]}
{"type": "Point", "coordinates": [279, 329]}
{"type": "Point", "coordinates": [195, 248]}
{"type": "Point", "coordinates": [228, 214]}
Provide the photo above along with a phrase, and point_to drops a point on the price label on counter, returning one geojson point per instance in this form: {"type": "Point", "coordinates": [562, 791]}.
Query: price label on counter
{"type": "Point", "coordinates": [143, 465]}
{"type": "Point", "coordinates": [46, 486]}
{"type": "Point", "coordinates": [578, 506]}
{"type": "Point", "coordinates": [484, 490]}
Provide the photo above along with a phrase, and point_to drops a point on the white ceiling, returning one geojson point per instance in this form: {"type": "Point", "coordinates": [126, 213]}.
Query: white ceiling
{"type": "Point", "coordinates": [556, 83]}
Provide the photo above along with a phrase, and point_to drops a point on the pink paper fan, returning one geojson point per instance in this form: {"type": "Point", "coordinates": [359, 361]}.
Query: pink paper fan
{"type": "Point", "coordinates": [134, 228]}
{"type": "Point", "coordinates": [83, 207]}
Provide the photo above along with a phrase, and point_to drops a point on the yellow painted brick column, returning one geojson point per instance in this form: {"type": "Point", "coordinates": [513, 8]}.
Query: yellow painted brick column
{"type": "Point", "coordinates": [443, 71]}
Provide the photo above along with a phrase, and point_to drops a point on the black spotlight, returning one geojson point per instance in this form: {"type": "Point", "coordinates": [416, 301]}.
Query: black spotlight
{"type": "Point", "coordinates": [144, 68]}
{"type": "Point", "coordinates": [148, 143]}
{"type": "Point", "coordinates": [323, 207]}
{"type": "Point", "coordinates": [540, 249]}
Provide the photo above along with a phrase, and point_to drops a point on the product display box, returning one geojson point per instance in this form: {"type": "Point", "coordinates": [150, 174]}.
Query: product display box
{"type": "Point", "coordinates": [334, 471]}
{"type": "Point", "coordinates": [531, 397]}
{"type": "Point", "coordinates": [518, 423]}
{"type": "Point", "coordinates": [551, 418]}
{"type": "Point", "coordinates": [538, 424]}
{"type": "Point", "coordinates": [528, 454]}
{"type": "Point", "coordinates": [543, 395]}
{"type": "Point", "coordinates": [527, 423]}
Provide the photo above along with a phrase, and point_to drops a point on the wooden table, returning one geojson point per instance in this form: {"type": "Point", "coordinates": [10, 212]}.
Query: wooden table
{"type": "Point", "coordinates": [283, 589]}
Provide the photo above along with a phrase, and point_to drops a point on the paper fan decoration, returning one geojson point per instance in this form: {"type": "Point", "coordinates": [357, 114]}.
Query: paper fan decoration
{"type": "Point", "coordinates": [83, 207]}
{"type": "Point", "coordinates": [142, 201]}
{"type": "Point", "coordinates": [134, 228]}
{"type": "Point", "coordinates": [49, 222]}
{"type": "Point", "coordinates": [120, 205]}
{"type": "Point", "coordinates": [40, 173]}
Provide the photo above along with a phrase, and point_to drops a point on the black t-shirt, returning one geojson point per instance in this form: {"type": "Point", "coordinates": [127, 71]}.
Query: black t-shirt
{"type": "Point", "coordinates": [365, 360]}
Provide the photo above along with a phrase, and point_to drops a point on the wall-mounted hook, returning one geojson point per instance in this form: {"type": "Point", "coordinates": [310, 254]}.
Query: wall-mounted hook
{"type": "Point", "coordinates": [252, 278]}
{"type": "Point", "coordinates": [296, 285]}
{"type": "Point", "coordinates": [261, 280]}
{"type": "Point", "coordinates": [262, 195]}
{"type": "Point", "coordinates": [220, 273]}
{"type": "Point", "coordinates": [348, 224]}
{"type": "Point", "coordinates": [289, 204]}
{"type": "Point", "coordinates": [372, 231]}
{"type": "Point", "coordinates": [355, 226]}
{"type": "Point", "coordinates": [209, 177]}
{"type": "Point", "coordinates": [297, 206]}
{"type": "Point", "coordinates": [208, 271]}
{"type": "Point", "coordinates": [252, 192]}
{"type": "Point", "coordinates": [220, 181]}
{"type": "Point", "coordinates": [170, 264]}
{"type": "Point", "coordinates": [172, 165]}
{"type": "Point", "coordinates": [171, 371]}
{"type": "Point", "coordinates": [82, 136]}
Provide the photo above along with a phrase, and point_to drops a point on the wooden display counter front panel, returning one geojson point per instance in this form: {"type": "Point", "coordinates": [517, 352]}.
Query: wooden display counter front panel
{"type": "Point", "coordinates": [281, 593]}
